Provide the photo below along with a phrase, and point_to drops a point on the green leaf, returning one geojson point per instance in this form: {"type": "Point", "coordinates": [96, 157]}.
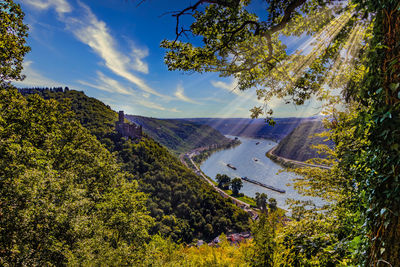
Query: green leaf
{"type": "Point", "coordinates": [394, 86]}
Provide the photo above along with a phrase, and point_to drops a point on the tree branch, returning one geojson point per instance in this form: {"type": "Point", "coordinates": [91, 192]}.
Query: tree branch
{"type": "Point", "coordinates": [192, 8]}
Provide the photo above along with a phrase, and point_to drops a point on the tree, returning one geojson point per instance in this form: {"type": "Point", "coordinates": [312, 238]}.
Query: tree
{"type": "Point", "coordinates": [261, 201]}
{"type": "Point", "coordinates": [223, 181]}
{"type": "Point", "coordinates": [272, 204]}
{"type": "Point", "coordinates": [63, 197]}
{"type": "Point", "coordinates": [376, 165]}
{"type": "Point", "coordinates": [264, 248]}
{"type": "Point", "coordinates": [356, 52]}
{"type": "Point", "coordinates": [13, 34]}
{"type": "Point", "coordinates": [236, 185]}
{"type": "Point", "coordinates": [238, 43]}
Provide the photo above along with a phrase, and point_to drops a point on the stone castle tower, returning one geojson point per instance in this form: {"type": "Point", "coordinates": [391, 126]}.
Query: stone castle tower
{"type": "Point", "coordinates": [127, 129]}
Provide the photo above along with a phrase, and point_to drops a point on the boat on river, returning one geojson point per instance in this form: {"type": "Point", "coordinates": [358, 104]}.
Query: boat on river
{"type": "Point", "coordinates": [263, 185]}
{"type": "Point", "coordinates": [231, 166]}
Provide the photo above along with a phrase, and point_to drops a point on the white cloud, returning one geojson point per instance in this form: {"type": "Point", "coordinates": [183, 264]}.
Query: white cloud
{"type": "Point", "coordinates": [108, 84]}
{"type": "Point", "coordinates": [61, 6]}
{"type": "Point", "coordinates": [231, 87]}
{"type": "Point", "coordinates": [213, 99]}
{"type": "Point", "coordinates": [179, 93]}
{"type": "Point", "coordinates": [137, 57]}
{"type": "Point", "coordinates": [152, 105]}
{"type": "Point", "coordinates": [34, 78]}
{"type": "Point", "coordinates": [90, 30]}
{"type": "Point", "coordinates": [94, 32]}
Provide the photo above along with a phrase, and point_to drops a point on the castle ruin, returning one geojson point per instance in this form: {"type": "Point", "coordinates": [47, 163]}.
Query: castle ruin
{"type": "Point", "coordinates": [127, 129]}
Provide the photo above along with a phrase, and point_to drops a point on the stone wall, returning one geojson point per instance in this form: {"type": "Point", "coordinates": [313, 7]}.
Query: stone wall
{"type": "Point", "coordinates": [127, 129]}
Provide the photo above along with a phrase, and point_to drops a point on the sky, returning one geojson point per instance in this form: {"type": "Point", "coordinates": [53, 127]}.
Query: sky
{"type": "Point", "coordinates": [110, 50]}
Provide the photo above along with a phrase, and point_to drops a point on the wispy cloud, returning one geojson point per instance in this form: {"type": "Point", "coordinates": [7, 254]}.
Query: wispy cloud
{"type": "Point", "coordinates": [61, 6]}
{"type": "Point", "coordinates": [180, 94]}
{"type": "Point", "coordinates": [213, 99]}
{"type": "Point", "coordinates": [152, 105]}
{"type": "Point", "coordinates": [94, 32]}
{"type": "Point", "coordinates": [108, 84]}
{"type": "Point", "coordinates": [231, 87]}
{"type": "Point", "coordinates": [133, 104]}
{"type": "Point", "coordinates": [138, 55]}
{"type": "Point", "coordinates": [34, 78]}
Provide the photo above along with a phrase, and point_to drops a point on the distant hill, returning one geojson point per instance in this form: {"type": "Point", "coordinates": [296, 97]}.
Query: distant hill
{"type": "Point", "coordinates": [253, 128]}
{"type": "Point", "coordinates": [179, 135]}
{"type": "Point", "coordinates": [297, 144]}
{"type": "Point", "coordinates": [183, 205]}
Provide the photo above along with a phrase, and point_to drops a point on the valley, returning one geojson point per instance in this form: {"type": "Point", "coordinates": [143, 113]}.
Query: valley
{"type": "Point", "coordinates": [199, 133]}
{"type": "Point", "coordinates": [264, 170]}
{"type": "Point", "coordinates": [254, 128]}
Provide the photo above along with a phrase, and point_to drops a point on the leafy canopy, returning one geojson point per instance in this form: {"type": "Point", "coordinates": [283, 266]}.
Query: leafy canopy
{"type": "Point", "coordinates": [13, 34]}
{"type": "Point", "coordinates": [238, 43]}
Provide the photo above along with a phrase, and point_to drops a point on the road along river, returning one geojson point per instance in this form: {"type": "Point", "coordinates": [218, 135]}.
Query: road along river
{"type": "Point", "coordinates": [249, 160]}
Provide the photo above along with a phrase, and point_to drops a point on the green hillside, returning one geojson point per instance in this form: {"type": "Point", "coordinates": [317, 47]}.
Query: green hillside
{"type": "Point", "coordinates": [183, 206]}
{"type": "Point", "coordinates": [297, 145]}
{"type": "Point", "coordinates": [64, 199]}
{"type": "Point", "coordinates": [179, 135]}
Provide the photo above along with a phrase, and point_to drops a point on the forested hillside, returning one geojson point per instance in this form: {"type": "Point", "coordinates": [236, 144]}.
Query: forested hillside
{"type": "Point", "coordinates": [183, 206]}
{"type": "Point", "coordinates": [63, 197]}
{"type": "Point", "coordinates": [179, 135]}
{"type": "Point", "coordinates": [253, 128]}
{"type": "Point", "coordinates": [297, 145]}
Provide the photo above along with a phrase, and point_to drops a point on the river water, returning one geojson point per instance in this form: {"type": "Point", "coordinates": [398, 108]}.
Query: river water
{"type": "Point", "coordinates": [263, 170]}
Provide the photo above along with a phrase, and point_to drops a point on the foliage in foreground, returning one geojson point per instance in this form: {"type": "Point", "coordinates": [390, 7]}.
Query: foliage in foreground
{"type": "Point", "coordinates": [64, 198]}
{"type": "Point", "coordinates": [163, 252]}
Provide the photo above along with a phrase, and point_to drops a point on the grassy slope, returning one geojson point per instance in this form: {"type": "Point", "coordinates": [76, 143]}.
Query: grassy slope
{"type": "Point", "coordinates": [297, 144]}
{"type": "Point", "coordinates": [179, 135]}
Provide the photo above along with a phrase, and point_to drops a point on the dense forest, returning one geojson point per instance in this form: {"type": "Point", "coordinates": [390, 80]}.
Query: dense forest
{"type": "Point", "coordinates": [298, 144]}
{"type": "Point", "coordinates": [64, 197]}
{"type": "Point", "coordinates": [253, 128]}
{"type": "Point", "coordinates": [183, 205]}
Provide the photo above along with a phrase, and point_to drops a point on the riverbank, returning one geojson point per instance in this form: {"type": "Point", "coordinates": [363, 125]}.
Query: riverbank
{"type": "Point", "coordinates": [288, 163]}
{"type": "Point", "coordinates": [202, 154]}
{"type": "Point", "coordinates": [244, 202]}
{"type": "Point", "coordinates": [262, 170]}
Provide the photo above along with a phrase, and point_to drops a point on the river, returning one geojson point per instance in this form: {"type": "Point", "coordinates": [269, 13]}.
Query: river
{"type": "Point", "coordinates": [263, 170]}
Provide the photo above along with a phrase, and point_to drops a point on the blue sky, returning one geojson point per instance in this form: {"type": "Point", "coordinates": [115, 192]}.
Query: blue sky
{"type": "Point", "coordinates": [110, 50]}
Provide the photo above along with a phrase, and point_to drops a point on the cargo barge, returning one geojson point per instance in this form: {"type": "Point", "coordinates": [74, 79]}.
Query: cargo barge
{"type": "Point", "coordinates": [263, 185]}
{"type": "Point", "coordinates": [231, 166]}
